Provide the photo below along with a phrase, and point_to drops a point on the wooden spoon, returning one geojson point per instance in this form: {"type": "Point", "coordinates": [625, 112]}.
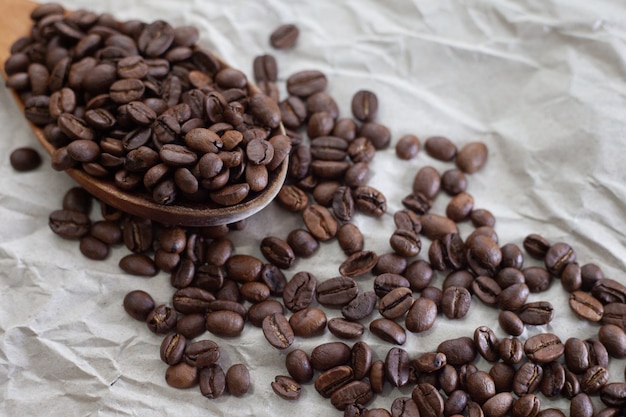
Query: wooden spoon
{"type": "Point", "coordinates": [14, 22]}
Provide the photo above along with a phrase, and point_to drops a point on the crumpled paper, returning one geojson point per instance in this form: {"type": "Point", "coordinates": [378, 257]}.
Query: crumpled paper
{"type": "Point", "coordinates": [541, 83]}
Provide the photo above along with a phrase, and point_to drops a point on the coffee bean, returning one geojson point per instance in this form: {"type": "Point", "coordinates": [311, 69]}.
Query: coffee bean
{"type": "Point", "coordinates": [138, 264]}
{"type": "Point", "coordinates": [594, 379]}
{"type": "Point", "coordinates": [511, 350]}
{"type": "Point", "coordinates": [421, 316]}
{"type": "Point", "coordinates": [553, 379]}
{"type": "Point", "coordinates": [350, 238]}
{"type": "Point", "coordinates": [544, 348]}
{"type": "Point", "coordinates": [370, 201]}
{"type": "Point", "coordinates": [284, 36]}
{"type": "Point", "coordinates": [306, 83]}
{"type": "Point", "coordinates": [93, 248]}
{"type": "Point", "coordinates": [364, 105]}
{"type": "Point", "coordinates": [201, 353]}
{"type": "Point", "coordinates": [212, 381]}
{"type": "Point", "coordinates": [337, 291]}
{"type": "Point", "coordinates": [278, 331]}
{"type": "Point", "coordinates": [558, 256]}
{"type": "Point", "coordinates": [343, 204]}
{"type": "Point", "coordinates": [25, 159]}
{"type": "Point", "coordinates": [486, 289]}
{"type": "Point", "coordinates": [378, 134]}
{"type": "Point", "coordinates": [308, 322]}
{"type": "Point", "coordinates": [407, 147]}
{"type": "Point", "coordinates": [456, 302]}
{"type": "Point", "coordinates": [614, 340]}
{"type": "Point", "coordinates": [511, 323]}
{"type": "Point", "coordinates": [502, 374]}
{"type": "Point", "coordinates": [429, 401]}
{"type": "Point", "coordinates": [299, 291]}
{"type": "Point", "coordinates": [405, 242]}
{"type": "Point", "coordinates": [486, 343]}
{"type": "Point", "coordinates": [513, 297]}
{"type": "Point", "coordinates": [320, 222]}
{"type": "Point", "coordinates": [161, 320]}
{"type": "Point", "coordinates": [471, 157]}
{"type": "Point", "coordinates": [526, 405]}
{"type": "Point", "coordinates": [434, 226]}
{"type": "Point", "coordinates": [527, 378]}
{"type": "Point", "coordinates": [388, 331]}
{"type": "Point", "coordinates": [355, 392]}
{"type": "Point", "coordinates": [397, 367]}
{"type": "Point", "coordinates": [536, 313]}
{"type": "Point", "coordinates": [536, 278]}
{"type": "Point", "coordinates": [345, 329]}
{"type": "Point", "coordinates": [358, 263]}
{"type": "Point", "coordinates": [614, 394]}
{"type": "Point", "coordinates": [608, 290]}
{"type": "Point", "coordinates": [181, 375]}
{"type": "Point", "coordinates": [586, 306]}
{"type": "Point", "coordinates": [458, 351]}
{"type": "Point", "coordinates": [138, 304]}
{"type": "Point", "coordinates": [536, 246]}
{"type": "Point", "coordinates": [396, 303]}
{"type": "Point", "coordinates": [581, 406]}
{"type": "Point", "coordinates": [360, 306]}
{"type": "Point", "coordinates": [334, 378]}
{"type": "Point", "coordinates": [590, 274]}
{"type": "Point", "coordinates": [480, 386]}
{"type": "Point", "coordinates": [225, 323]}
{"type": "Point", "coordinates": [238, 380]}
{"type": "Point", "coordinates": [286, 387]}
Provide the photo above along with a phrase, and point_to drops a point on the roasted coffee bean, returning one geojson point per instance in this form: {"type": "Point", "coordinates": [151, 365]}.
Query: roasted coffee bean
{"type": "Point", "coordinates": [440, 148]}
{"type": "Point", "coordinates": [265, 68]}
{"type": "Point", "coordinates": [586, 306]}
{"type": "Point", "coordinates": [405, 242]}
{"type": "Point", "coordinates": [421, 316]}
{"type": "Point", "coordinates": [306, 83]}
{"type": "Point", "coordinates": [361, 150]}
{"type": "Point", "coordinates": [536, 246]}
{"type": "Point", "coordinates": [458, 351]}
{"type": "Point", "coordinates": [502, 374]}
{"type": "Point", "coordinates": [137, 234]}
{"type": "Point", "coordinates": [455, 403]}
{"type": "Point", "coordinates": [429, 401]}
{"type": "Point", "coordinates": [513, 297]}
{"type": "Point", "coordinates": [138, 264]}
{"type": "Point", "coordinates": [480, 386]}
{"type": "Point", "coordinates": [299, 291]}
{"type": "Point", "coordinates": [536, 313]}
{"type": "Point", "coordinates": [486, 343]}
{"type": "Point", "coordinates": [427, 182]}
{"type": "Point", "coordinates": [390, 263]}
{"type": "Point", "coordinates": [397, 367]}
{"type": "Point", "coordinates": [614, 340]}
{"type": "Point", "coordinates": [553, 379]}
{"type": "Point", "coordinates": [471, 157]}
{"type": "Point", "coordinates": [337, 291]}
{"type": "Point", "coordinates": [511, 323]}
{"type": "Point", "coordinates": [343, 204]}
{"type": "Point", "coordinates": [303, 243]}
{"type": "Point", "coordinates": [407, 147]}
{"type": "Point", "coordinates": [386, 282]}
{"type": "Point", "coordinates": [460, 207]}
{"type": "Point", "coordinates": [378, 134]}
{"type": "Point", "coordinates": [536, 278]}
{"type": "Point", "coordinates": [278, 331]}
{"type": "Point", "coordinates": [581, 406]}
{"type": "Point", "coordinates": [258, 311]}
{"type": "Point", "coordinates": [527, 405]}
{"type": "Point", "coordinates": [388, 331]}
{"type": "Point", "coordinates": [364, 105]}
{"type": "Point", "coordinates": [330, 354]}
{"type": "Point", "coordinates": [308, 322]}
{"type": "Point", "coordinates": [225, 323]}
{"type": "Point", "coordinates": [181, 375]}
{"type": "Point", "coordinates": [345, 329]}
{"type": "Point", "coordinates": [243, 268]}
{"type": "Point", "coordinates": [286, 387]}
{"type": "Point", "coordinates": [284, 36]}
{"type": "Point", "coordinates": [320, 125]}
{"type": "Point", "coordinates": [511, 350]}
{"type": "Point", "coordinates": [93, 248]}
{"type": "Point", "coordinates": [486, 289]}
{"type": "Point", "coordinates": [255, 292]}
{"type": "Point", "coordinates": [456, 302]}
{"type": "Point", "coordinates": [435, 227]}
{"type": "Point", "coordinates": [434, 294]}
{"type": "Point", "coordinates": [162, 319]}
{"type": "Point", "coordinates": [609, 291]}
{"type": "Point", "coordinates": [358, 263]}
{"type": "Point", "coordinates": [201, 353]}
{"type": "Point", "coordinates": [355, 392]}
{"type": "Point", "coordinates": [332, 379]}
{"type": "Point", "coordinates": [614, 394]}
{"type": "Point", "coordinates": [615, 313]}
{"type": "Point", "coordinates": [350, 238]}
{"type": "Point", "coordinates": [278, 252]}
{"type": "Point", "coordinates": [191, 325]}
{"type": "Point", "coordinates": [527, 378]}
{"type": "Point", "coordinates": [396, 303]}
{"type": "Point", "coordinates": [483, 255]}
{"type": "Point", "coordinates": [571, 277]}
{"type": "Point", "coordinates": [25, 159]}
{"type": "Point", "coordinates": [551, 412]}
{"type": "Point", "coordinates": [212, 381]}
{"type": "Point", "coordinates": [238, 380]}
{"type": "Point", "coordinates": [594, 379]}
{"type": "Point", "coordinates": [429, 362]}
{"type": "Point", "coordinates": [544, 348]}
{"type": "Point", "coordinates": [370, 201]}
{"type": "Point", "coordinates": [298, 365]}
{"type": "Point", "coordinates": [320, 222]}
{"type": "Point", "coordinates": [69, 224]}
{"type": "Point", "coordinates": [360, 306]}
{"type": "Point", "coordinates": [138, 304]}
{"type": "Point", "coordinates": [558, 256]}
{"type": "Point", "coordinates": [448, 379]}
{"type": "Point", "coordinates": [324, 192]}
{"type": "Point", "coordinates": [190, 300]}
{"type": "Point", "coordinates": [512, 256]}
{"type": "Point", "coordinates": [419, 274]}
{"type": "Point", "coordinates": [509, 276]}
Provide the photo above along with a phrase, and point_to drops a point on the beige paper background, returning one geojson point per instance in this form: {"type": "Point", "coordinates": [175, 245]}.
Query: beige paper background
{"type": "Point", "coordinates": [542, 83]}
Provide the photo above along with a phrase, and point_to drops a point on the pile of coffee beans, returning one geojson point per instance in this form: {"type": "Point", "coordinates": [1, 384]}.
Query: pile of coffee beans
{"type": "Point", "coordinates": [219, 290]}
{"type": "Point", "coordinates": [140, 105]}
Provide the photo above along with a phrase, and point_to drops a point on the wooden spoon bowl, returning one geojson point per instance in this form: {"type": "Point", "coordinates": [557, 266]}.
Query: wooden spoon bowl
{"type": "Point", "coordinates": [15, 21]}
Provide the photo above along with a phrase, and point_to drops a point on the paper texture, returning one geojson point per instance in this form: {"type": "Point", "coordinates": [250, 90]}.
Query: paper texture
{"type": "Point", "coordinates": [542, 83]}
